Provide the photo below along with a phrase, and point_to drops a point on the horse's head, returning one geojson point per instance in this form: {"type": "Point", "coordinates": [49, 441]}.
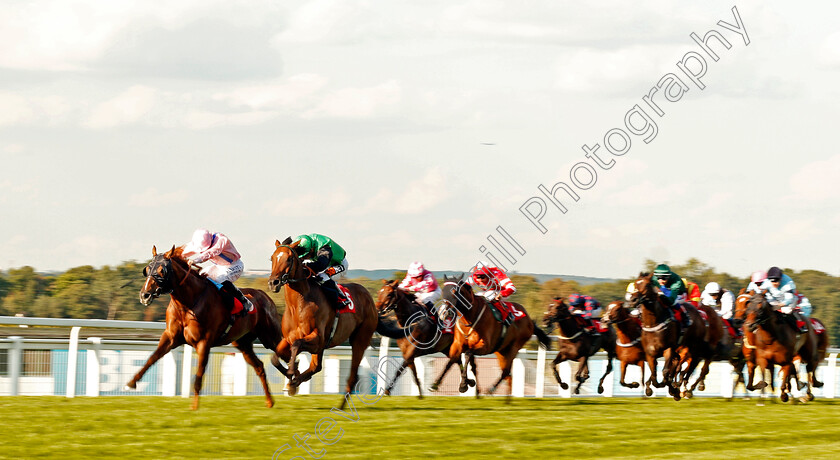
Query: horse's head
{"type": "Point", "coordinates": [556, 312]}
{"type": "Point", "coordinates": [646, 291]}
{"type": "Point", "coordinates": [458, 294]}
{"type": "Point", "coordinates": [741, 304]}
{"type": "Point", "coordinates": [285, 266]}
{"type": "Point", "coordinates": [758, 311]}
{"type": "Point", "coordinates": [387, 298]}
{"type": "Point", "coordinates": [615, 313]}
{"type": "Point", "coordinates": [159, 276]}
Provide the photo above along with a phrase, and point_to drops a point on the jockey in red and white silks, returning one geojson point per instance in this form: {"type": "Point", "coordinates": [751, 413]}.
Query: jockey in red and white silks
{"type": "Point", "coordinates": [422, 284]}
{"type": "Point", "coordinates": [494, 285]}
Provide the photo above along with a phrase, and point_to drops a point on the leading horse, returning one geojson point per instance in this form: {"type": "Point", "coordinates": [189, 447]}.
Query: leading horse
{"type": "Point", "coordinates": [478, 333]}
{"type": "Point", "coordinates": [198, 315]}
{"type": "Point", "coordinates": [311, 324]}
{"type": "Point", "coordinates": [628, 339]}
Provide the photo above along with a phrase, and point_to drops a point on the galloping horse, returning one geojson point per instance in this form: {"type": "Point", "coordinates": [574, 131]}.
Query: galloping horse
{"type": "Point", "coordinates": [628, 339]}
{"type": "Point", "coordinates": [720, 348]}
{"type": "Point", "coordinates": [197, 315]}
{"type": "Point", "coordinates": [478, 333]}
{"type": "Point", "coordinates": [748, 347]}
{"type": "Point", "coordinates": [661, 336]}
{"type": "Point", "coordinates": [575, 343]}
{"type": "Point", "coordinates": [425, 334]}
{"type": "Point", "coordinates": [311, 325]}
{"type": "Point", "coordinates": [777, 342]}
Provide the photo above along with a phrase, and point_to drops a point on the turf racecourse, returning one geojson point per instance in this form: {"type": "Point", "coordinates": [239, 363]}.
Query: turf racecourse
{"type": "Point", "coordinates": [403, 427]}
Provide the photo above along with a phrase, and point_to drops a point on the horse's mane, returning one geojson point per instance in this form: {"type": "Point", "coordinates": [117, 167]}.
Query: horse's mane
{"type": "Point", "coordinates": [177, 254]}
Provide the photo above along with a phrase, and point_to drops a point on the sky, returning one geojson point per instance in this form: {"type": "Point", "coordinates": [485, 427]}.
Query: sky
{"type": "Point", "coordinates": [412, 130]}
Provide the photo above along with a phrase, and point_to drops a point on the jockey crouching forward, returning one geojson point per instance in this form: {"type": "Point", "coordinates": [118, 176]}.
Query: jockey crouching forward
{"type": "Point", "coordinates": [324, 258]}
{"type": "Point", "coordinates": [673, 291]}
{"type": "Point", "coordinates": [780, 291]}
{"type": "Point", "coordinates": [224, 264]}
{"type": "Point", "coordinates": [495, 286]}
{"type": "Point", "coordinates": [723, 301]}
{"type": "Point", "coordinates": [422, 284]}
{"type": "Point", "coordinates": [585, 307]}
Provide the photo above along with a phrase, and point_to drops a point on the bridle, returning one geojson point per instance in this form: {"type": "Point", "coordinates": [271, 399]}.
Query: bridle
{"type": "Point", "coordinates": [285, 278]}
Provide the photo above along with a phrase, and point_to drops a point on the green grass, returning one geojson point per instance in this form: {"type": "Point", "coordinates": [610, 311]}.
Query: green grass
{"type": "Point", "coordinates": [403, 427]}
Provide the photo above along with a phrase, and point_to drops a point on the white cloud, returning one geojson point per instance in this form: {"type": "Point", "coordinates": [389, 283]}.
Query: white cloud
{"type": "Point", "coordinates": [128, 107]}
{"type": "Point", "coordinates": [423, 194]}
{"type": "Point", "coordinates": [817, 181]}
{"type": "Point", "coordinates": [647, 194]}
{"type": "Point", "coordinates": [309, 204]}
{"type": "Point", "coordinates": [152, 198]}
{"type": "Point", "coordinates": [357, 102]}
{"type": "Point", "coordinates": [289, 94]}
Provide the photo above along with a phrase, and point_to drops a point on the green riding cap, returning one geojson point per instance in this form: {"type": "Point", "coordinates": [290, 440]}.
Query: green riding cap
{"type": "Point", "coordinates": [662, 270]}
{"type": "Point", "coordinates": [309, 245]}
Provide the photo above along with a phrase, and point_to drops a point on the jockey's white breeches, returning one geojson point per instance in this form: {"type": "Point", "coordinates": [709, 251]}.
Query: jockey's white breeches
{"type": "Point", "coordinates": [222, 273]}
{"type": "Point", "coordinates": [432, 297]}
{"type": "Point", "coordinates": [323, 276]}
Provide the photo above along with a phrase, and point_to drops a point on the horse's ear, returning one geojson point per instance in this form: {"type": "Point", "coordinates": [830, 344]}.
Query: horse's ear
{"type": "Point", "coordinates": [742, 291]}
{"type": "Point", "coordinates": [154, 250]}
{"type": "Point", "coordinates": [295, 244]}
{"type": "Point", "coordinates": [461, 278]}
{"type": "Point", "coordinates": [277, 244]}
{"type": "Point", "coordinates": [288, 240]}
{"type": "Point", "coordinates": [384, 281]}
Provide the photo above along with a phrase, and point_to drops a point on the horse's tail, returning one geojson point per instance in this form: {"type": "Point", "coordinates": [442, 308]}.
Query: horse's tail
{"type": "Point", "coordinates": [544, 339]}
{"type": "Point", "coordinates": [388, 328]}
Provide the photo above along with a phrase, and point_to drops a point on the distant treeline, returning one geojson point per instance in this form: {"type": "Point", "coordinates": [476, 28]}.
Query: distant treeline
{"type": "Point", "coordinates": [112, 292]}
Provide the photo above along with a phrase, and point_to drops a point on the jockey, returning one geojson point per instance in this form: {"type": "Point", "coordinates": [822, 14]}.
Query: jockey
{"type": "Point", "coordinates": [495, 285]}
{"type": "Point", "coordinates": [692, 291]}
{"type": "Point", "coordinates": [628, 296]}
{"type": "Point", "coordinates": [757, 281]}
{"type": "Point", "coordinates": [225, 264]}
{"type": "Point", "coordinates": [585, 307]}
{"type": "Point", "coordinates": [324, 258]}
{"type": "Point", "coordinates": [672, 289]}
{"type": "Point", "coordinates": [782, 295]}
{"type": "Point", "coordinates": [422, 284]}
{"type": "Point", "coordinates": [722, 300]}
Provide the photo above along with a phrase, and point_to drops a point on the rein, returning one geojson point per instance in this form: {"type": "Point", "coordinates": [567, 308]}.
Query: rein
{"type": "Point", "coordinates": [659, 326]}
{"type": "Point", "coordinates": [285, 279]}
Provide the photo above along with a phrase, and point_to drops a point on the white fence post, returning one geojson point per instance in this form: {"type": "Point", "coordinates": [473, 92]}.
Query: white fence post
{"type": "Point", "coordinates": [15, 364]}
{"type": "Point", "coordinates": [727, 382]}
{"type": "Point", "coordinates": [539, 391]}
{"type": "Point", "coordinates": [72, 352]}
{"type": "Point", "coordinates": [830, 387]}
{"type": "Point", "coordinates": [240, 375]}
{"type": "Point", "coordinates": [421, 375]}
{"type": "Point", "coordinates": [169, 369]}
{"type": "Point", "coordinates": [93, 372]}
{"type": "Point", "coordinates": [186, 372]}
{"type": "Point", "coordinates": [565, 370]}
{"type": "Point", "coordinates": [518, 377]}
{"type": "Point", "coordinates": [332, 365]}
{"type": "Point", "coordinates": [381, 382]}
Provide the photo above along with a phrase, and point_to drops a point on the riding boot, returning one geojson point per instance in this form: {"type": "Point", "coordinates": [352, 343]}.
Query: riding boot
{"type": "Point", "coordinates": [247, 306]}
{"type": "Point", "coordinates": [686, 318]}
{"type": "Point", "coordinates": [340, 300]}
{"type": "Point", "coordinates": [799, 317]}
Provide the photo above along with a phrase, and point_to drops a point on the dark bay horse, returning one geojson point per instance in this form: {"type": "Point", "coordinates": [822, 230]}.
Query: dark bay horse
{"type": "Point", "coordinates": [628, 340]}
{"type": "Point", "coordinates": [198, 316]}
{"type": "Point", "coordinates": [477, 333]}
{"type": "Point", "coordinates": [777, 342]}
{"type": "Point", "coordinates": [576, 344]}
{"type": "Point", "coordinates": [721, 347]}
{"type": "Point", "coordinates": [661, 336]}
{"type": "Point", "coordinates": [311, 324]}
{"type": "Point", "coordinates": [425, 334]}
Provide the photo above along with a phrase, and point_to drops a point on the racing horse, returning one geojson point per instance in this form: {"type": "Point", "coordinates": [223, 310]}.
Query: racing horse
{"type": "Point", "coordinates": [425, 333]}
{"type": "Point", "coordinates": [478, 333]}
{"type": "Point", "coordinates": [661, 336]}
{"type": "Point", "coordinates": [311, 324]}
{"type": "Point", "coordinates": [721, 347]}
{"type": "Point", "coordinates": [779, 343]}
{"type": "Point", "coordinates": [628, 339]}
{"type": "Point", "coordinates": [576, 343]}
{"type": "Point", "coordinates": [198, 315]}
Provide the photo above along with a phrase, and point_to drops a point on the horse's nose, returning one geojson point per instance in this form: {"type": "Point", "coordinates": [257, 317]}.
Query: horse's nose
{"type": "Point", "coordinates": [274, 284]}
{"type": "Point", "coordinates": [145, 298]}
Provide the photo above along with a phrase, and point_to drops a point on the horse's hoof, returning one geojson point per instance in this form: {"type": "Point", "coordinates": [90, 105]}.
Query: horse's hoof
{"type": "Point", "coordinates": [471, 382]}
{"type": "Point", "coordinates": [387, 392]}
{"type": "Point", "coordinates": [784, 397]}
{"type": "Point", "coordinates": [688, 394]}
{"type": "Point", "coordinates": [292, 390]}
{"type": "Point", "coordinates": [433, 387]}
{"type": "Point", "coordinates": [564, 386]}
{"type": "Point", "coordinates": [817, 384]}
{"type": "Point", "coordinates": [702, 386]}
{"type": "Point", "coordinates": [269, 403]}
{"type": "Point", "coordinates": [577, 391]}
{"type": "Point", "coordinates": [801, 385]}
{"type": "Point", "coordinates": [600, 389]}
{"type": "Point", "coordinates": [462, 388]}
{"type": "Point", "coordinates": [129, 387]}
{"type": "Point", "coordinates": [810, 396]}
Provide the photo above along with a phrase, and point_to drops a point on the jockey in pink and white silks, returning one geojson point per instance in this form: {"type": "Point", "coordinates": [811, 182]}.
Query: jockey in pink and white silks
{"type": "Point", "coordinates": [224, 264]}
{"type": "Point", "coordinates": [422, 284]}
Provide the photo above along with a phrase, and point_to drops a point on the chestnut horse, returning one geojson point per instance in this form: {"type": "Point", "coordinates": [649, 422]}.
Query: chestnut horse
{"type": "Point", "coordinates": [575, 343]}
{"type": "Point", "coordinates": [720, 348]}
{"type": "Point", "coordinates": [311, 324]}
{"type": "Point", "coordinates": [478, 333]}
{"type": "Point", "coordinates": [198, 316]}
{"type": "Point", "coordinates": [425, 335]}
{"type": "Point", "coordinates": [661, 336]}
{"type": "Point", "coordinates": [777, 342]}
{"type": "Point", "coordinates": [628, 339]}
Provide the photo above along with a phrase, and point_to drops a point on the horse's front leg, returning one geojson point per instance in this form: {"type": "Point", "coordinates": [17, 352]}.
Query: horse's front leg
{"type": "Point", "coordinates": [651, 361]}
{"type": "Point", "coordinates": [583, 372]}
{"type": "Point", "coordinates": [168, 341]}
{"type": "Point", "coordinates": [247, 349]}
{"type": "Point", "coordinates": [202, 349]}
{"type": "Point", "coordinates": [464, 386]}
{"type": "Point", "coordinates": [557, 360]}
{"type": "Point", "coordinates": [609, 369]}
{"type": "Point", "coordinates": [454, 357]}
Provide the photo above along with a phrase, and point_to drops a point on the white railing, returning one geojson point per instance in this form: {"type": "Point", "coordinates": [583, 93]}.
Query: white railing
{"type": "Point", "coordinates": [95, 366]}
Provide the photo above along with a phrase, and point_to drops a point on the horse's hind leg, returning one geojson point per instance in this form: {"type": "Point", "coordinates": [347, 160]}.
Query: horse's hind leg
{"type": "Point", "coordinates": [358, 353]}
{"type": "Point", "coordinates": [416, 379]}
{"type": "Point", "coordinates": [652, 380]}
{"type": "Point", "coordinates": [449, 364]}
{"type": "Point", "coordinates": [559, 359]}
{"type": "Point", "coordinates": [202, 349]}
{"type": "Point", "coordinates": [399, 373]}
{"type": "Point", "coordinates": [464, 386]}
{"type": "Point", "coordinates": [168, 341]}
{"type": "Point", "coordinates": [247, 349]}
{"type": "Point", "coordinates": [582, 374]}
